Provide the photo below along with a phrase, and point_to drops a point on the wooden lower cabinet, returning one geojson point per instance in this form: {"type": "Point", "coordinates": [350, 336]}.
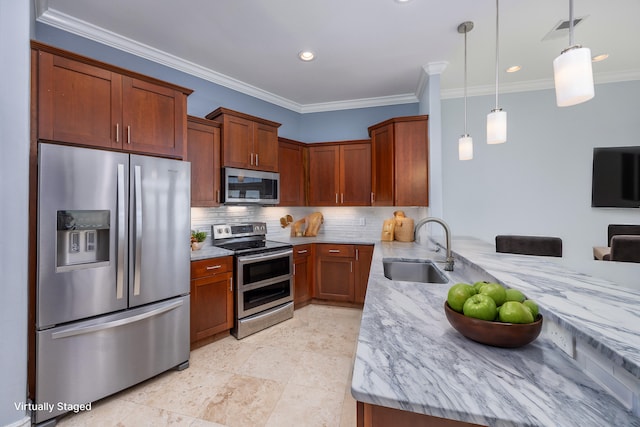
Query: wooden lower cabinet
{"type": "Point", "coordinates": [302, 275]}
{"type": "Point", "coordinates": [335, 275]}
{"type": "Point", "coordinates": [379, 416]}
{"type": "Point", "coordinates": [342, 272]}
{"type": "Point", "coordinates": [211, 297]}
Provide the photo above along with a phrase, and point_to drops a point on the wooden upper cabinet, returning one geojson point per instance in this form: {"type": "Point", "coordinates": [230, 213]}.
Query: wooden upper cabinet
{"type": "Point", "coordinates": [203, 151]}
{"type": "Point", "coordinates": [248, 142]}
{"type": "Point", "coordinates": [400, 162]}
{"type": "Point", "coordinates": [340, 174]}
{"type": "Point", "coordinates": [324, 175]}
{"type": "Point", "coordinates": [86, 102]}
{"type": "Point", "coordinates": [292, 157]}
{"type": "Point", "coordinates": [78, 103]}
{"type": "Point", "coordinates": [153, 117]}
{"type": "Point", "coordinates": [355, 173]}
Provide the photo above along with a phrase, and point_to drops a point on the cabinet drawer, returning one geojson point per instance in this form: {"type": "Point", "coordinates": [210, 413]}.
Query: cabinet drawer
{"type": "Point", "coordinates": [211, 266]}
{"type": "Point", "coordinates": [347, 251]}
{"type": "Point", "coordinates": [301, 251]}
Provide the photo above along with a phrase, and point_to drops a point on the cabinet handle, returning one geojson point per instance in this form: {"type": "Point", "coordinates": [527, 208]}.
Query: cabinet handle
{"type": "Point", "coordinates": [334, 251]}
{"type": "Point", "coordinates": [294, 269]}
{"type": "Point", "coordinates": [230, 284]}
{"type": "Point", "coordinates": [251, 161]}
{"type": "Point", "coordinates": [336, 198]}
{"type": "Point", "coordinates": [373, 198]}
{"type": "Point", "coordinates": [128, 134]}
{"type": "Point", "coordinates": [304, 251]}
{"type": "Point", "coordinates": [257, 160]}
{"type": "Point", "coordinates": [357, 253]}
{"type": "Point", "coordinates": [217, 196]}
{"type": "Point", "coordinates": [117, 132]}
{"type": "Point", "coordinates": [342, 198]}
{"type": "Point", "coordinates": [213, 267]}
{"type": "Point", "coordinates": [351, 266]}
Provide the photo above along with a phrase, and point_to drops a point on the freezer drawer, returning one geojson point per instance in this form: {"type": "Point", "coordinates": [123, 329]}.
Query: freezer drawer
{"type": "Point", "coordinates": [86, 361]}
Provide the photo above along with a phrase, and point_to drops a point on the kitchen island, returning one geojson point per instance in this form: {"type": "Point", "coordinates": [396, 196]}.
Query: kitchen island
{"type": "Point", "coordinates": [409, 357]}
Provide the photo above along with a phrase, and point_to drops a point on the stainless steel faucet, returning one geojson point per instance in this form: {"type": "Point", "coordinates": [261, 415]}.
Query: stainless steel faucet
{"type": "Point", "coordinates": [448, 266]}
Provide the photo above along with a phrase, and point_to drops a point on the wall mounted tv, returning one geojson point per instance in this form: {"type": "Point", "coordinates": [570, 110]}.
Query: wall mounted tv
{"type": "Point", "coordinates": [616, 177]}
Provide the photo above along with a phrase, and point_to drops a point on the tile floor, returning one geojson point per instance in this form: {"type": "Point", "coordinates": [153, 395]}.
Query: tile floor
{"type": "Point", "coordinates": [296, 373]}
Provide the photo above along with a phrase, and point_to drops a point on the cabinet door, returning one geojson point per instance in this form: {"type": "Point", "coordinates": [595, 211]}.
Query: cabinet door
{"type": "Point", "coordinates": [211, 305]}
{"type": "Point", "coordinates": [203, 151]}
{"type": "Point", "coordinates": [324, 175]}
{"type": "Point", "coordinates": [355, 174]}
{"type": "Point", "coordinates": [291, 167]}
{"type": "Point", "coordinates": [78, 103]}
{"type": "Point", "coordinates": [302, 275]}
{"type": "Point", "coordinates": [265, 148]}
{"type": "Point", "coordinates": [411, 163]}
{"type": "Point", "coordinates": [154, 118]}
{"type": "Point", "coordinates": [382, 166]}
{"type": "Point", "coordinates": [237, 142]}
{"type": "Point", "coordinates": [335, 279]}
{"type": "Point", "coordinates": [364, 254]}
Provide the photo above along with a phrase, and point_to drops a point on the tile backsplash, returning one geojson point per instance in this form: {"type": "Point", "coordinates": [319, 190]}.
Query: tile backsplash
{"type": "Point", "coordinates": [348, 222]}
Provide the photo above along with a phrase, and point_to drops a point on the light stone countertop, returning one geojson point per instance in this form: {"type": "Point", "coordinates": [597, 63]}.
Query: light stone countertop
{"type": "Point", "coordinates": [410, 358]}
{"type": "Point", "coordinates": [209, 251]}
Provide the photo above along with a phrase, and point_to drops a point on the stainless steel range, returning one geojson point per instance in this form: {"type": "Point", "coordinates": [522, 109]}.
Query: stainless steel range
{"type": "Point", "coordinates": [263, 276]}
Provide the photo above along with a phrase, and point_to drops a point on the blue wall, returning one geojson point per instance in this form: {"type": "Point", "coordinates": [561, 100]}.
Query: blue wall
{"type": "Point", "coordinates": [207, 96]}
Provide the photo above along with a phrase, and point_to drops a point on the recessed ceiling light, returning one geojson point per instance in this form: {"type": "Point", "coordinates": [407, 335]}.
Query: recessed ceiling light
{"type": "Point", "coordinates": [306, 55]}
{"type": "Point", "coordinates": [600, 57]}
{"type": "Point", "coordinates": [403, 1]}
{"type": "Point", "coordinates": [513, 69]}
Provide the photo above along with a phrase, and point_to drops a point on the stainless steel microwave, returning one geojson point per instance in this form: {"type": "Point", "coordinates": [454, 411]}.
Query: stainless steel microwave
{"type": "Point", "coordinates": [245, 186]}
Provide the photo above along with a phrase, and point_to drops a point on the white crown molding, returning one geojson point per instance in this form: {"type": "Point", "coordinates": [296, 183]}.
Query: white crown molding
{"type": "Point", "coordinates": [430, 69]}
{"type": "Point", "coordinates": [408, 98]}
{"type": "Point", "coordinates": [92, 32]}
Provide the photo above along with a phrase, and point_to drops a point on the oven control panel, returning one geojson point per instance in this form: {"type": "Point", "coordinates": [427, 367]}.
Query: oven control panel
{"type": "Point", "coordinates": [225, 231]}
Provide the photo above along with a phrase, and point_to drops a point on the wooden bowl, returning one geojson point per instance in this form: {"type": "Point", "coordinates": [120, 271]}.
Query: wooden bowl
{"type": "Point", "coordinates": [497, 334]}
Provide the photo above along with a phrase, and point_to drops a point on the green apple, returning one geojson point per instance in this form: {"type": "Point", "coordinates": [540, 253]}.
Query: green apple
{"type": "Point", "coordinates": [515, 295]}
{"type": "Point", "coordinates": [495, 291]}
{"type": "Point", "coordinates": [458, 294]}
{"type": "Point", "coordinates": [478, 285]}
{"type": "Point", "coordinates": [532, 306]}
{"type": "Point", "coordinates": [515, 312]}
{"type": "Point", "coordinates": [480, 307]}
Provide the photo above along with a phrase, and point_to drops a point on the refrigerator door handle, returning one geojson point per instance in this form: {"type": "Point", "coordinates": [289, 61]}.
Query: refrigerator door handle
{"type": "Point", "coordinates": [115, 323]}
{"type": "Point", "coordinates": [138, 228]}
{"type": "Point", "coordinates": [121, 237]}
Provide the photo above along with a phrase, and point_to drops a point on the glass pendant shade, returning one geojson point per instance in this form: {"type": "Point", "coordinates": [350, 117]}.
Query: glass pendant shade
{"type": "Point", "coordinates": [465, 148]}
{"type": "Point", "coordinates": [573, 76]}
{"type": "Point", "coordinates": [497, 126]}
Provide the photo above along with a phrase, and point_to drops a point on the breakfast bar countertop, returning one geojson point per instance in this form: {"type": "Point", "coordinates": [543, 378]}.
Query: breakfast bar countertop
{"type": "Point", "coordinates": [409, 357]}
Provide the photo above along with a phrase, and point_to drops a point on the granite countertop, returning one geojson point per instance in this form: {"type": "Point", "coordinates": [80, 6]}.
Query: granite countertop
{"type": "Point", "coordinates": [209, 251]}
{"type": "Point", "coordinates": [410, 358]}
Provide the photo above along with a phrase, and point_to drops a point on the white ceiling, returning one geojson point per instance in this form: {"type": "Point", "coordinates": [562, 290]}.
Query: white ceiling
{"type": "Point", "coordinates": [369, 52]}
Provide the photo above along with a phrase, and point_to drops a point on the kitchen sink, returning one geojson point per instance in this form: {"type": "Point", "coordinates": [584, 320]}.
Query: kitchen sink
{"type": "Point", "coordinates": [423, 271]}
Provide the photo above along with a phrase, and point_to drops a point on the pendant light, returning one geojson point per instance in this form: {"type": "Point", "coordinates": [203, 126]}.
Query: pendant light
{"type": "Point", "coordinates": [465, 143]}
{"type": "Point", "coordinates": [497, 119]}
{"type": "Point", "coordinates": [572, 72]}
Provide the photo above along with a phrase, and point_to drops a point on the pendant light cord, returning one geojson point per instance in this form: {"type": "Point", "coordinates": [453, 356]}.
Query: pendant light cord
{"type": "Point", "coordinates": [570, 22]}
{"type": "Point", "coordinates": [497, 52]}
{"type": "Point", "coordinates": [465, 82]}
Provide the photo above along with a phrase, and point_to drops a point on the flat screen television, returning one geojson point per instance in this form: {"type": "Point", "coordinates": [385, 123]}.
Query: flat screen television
{"type": "Point", "coordinates": [616, 177]}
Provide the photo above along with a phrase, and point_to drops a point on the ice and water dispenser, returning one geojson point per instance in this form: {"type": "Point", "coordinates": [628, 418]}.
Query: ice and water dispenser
{"type": "Point", "coordinates": [82, 239]}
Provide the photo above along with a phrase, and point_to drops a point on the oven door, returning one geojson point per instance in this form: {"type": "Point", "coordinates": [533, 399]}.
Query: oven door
{"type": "Point", "coordinates": [263, 281]}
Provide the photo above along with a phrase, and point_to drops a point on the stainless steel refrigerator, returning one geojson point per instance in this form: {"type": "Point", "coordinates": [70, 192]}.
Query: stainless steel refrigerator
{"type": "Point", "coordinates": [112, 297]}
